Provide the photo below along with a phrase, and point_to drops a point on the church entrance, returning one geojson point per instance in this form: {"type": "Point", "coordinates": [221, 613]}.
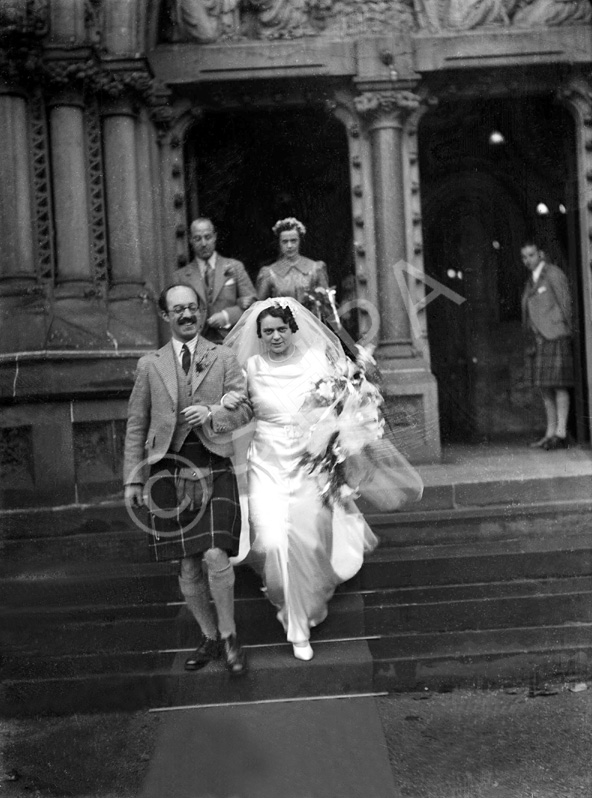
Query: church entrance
{"type": "Point", "coordinates": [246, 169]}
{"type": "Point", "coordinates": [494, 172]}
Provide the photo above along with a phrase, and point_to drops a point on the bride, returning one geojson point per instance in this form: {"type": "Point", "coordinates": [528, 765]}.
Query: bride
{"type": "Point", "coordinates": [302, 545]}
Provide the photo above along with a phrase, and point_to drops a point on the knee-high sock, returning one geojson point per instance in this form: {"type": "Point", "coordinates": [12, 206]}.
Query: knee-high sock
{"type": "Point", "coordinates": [195, 591]}
{"type": "Point", "coordinates": [562, 402]}
{"type": "Point", "coordinates": [221, 581]}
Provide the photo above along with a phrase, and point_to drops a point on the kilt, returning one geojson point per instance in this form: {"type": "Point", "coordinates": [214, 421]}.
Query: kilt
{"type": "Point", "coordinates": [178, 529]}
{"type": "Point", "coordinates": [549, 364]}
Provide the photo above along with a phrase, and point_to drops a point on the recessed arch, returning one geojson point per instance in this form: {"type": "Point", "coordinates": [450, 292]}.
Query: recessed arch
{"type": "Point", "coordinates": [248, 167]}
{"type": "Point", "coordinates": [479, 202]}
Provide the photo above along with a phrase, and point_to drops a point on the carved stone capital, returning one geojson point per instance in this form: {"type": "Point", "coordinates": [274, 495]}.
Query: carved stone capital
{"type": "Point", "coordinates": [23, 23]}
{"type": "Point", "coordinates": [386, 106]}
{"type": "Point", "coordinates": [162, 113]}
{"type": "Point", "coordinates": [22, 20]}
{"type": "Point", "coordinates": [130, 82]}
{"type": "Point", "coordinates": [19, 67]}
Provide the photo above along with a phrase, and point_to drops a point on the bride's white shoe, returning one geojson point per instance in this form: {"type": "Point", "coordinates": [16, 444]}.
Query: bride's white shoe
{"type": "Point", "coordinates": [303, 651]}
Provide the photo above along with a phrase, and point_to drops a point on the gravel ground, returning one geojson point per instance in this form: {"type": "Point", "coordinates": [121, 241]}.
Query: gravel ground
{"type": "Point", "coordinates": [498, 744]}
{"type": "Point", "coordinates": [87, 756]}
{"type": "Point", "coordinates": [464, 744]}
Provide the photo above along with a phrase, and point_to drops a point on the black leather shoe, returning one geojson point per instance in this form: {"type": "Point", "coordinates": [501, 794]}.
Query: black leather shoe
{"type": "Point", "coordinates": [236, 659]}
{"type": "Point", "coordinates": [541, 443]}
{"type": "Point", "coordinates": [207, 650]}
{"type": "Point", "coordinates": [555, 443]}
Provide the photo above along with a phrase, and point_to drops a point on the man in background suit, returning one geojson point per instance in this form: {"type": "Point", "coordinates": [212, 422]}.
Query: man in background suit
{"type": "Point", "coordinates": [178, 446]}
{"type": "Point", "coordinates": [547, 317]}
{"type": "Point", "coordinates": [222, 284]}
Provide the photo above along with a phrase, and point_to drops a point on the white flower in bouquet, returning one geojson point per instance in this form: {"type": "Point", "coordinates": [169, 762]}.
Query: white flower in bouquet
{"type": "Point", "coordinates": [345, 493]}
{"type": "Point", "coordinates": [325, 391]}
{"type": "Point", "coordinates": [359, 424]}
{"type": "Point", "coordinates": [320, 434]}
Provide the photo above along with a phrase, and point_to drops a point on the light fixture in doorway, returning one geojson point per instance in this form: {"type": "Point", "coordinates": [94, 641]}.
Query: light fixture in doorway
{"type": "Point", "coordinates": [496, 138]}
{"type": "Point", "coordinates": [542, 209]}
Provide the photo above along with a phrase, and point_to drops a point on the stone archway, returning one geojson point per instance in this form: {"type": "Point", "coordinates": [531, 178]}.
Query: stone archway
{"type": "Point", "coordinates": [479, 203]}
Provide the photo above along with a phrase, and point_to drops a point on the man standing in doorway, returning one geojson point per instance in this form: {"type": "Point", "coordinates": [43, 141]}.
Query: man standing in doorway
{"type": "Point", "coordinates": [222, 284]}
{"type": "Point", "coordinates": [547, 317]}
{"type": "Point", "coordinates": [176, 461]}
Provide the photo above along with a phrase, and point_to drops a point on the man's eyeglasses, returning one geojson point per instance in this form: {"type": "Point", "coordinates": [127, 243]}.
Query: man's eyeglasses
{"type": "Point", "coordinates": [178, 310]}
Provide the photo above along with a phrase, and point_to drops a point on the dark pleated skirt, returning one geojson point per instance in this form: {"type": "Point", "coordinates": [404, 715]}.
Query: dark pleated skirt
{"type": "Point", "coordinates": [550, 363]}
{"type": "Point", "coordinates": [178, 530]}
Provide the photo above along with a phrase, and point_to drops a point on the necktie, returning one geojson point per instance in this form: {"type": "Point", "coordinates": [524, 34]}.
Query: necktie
{"type": "Point", "coordinates": [185, 358]}
{"type": "Point", "coordinates": [209, 277]}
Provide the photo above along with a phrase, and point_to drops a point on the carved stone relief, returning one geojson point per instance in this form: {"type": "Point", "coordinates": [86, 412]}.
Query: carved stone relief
{"type": "Point", "coordinates": [209, 21]}
{"type": "Point", "coordinates": [438, 15]}
{"type": "Point", "coordinates": [23, 18]}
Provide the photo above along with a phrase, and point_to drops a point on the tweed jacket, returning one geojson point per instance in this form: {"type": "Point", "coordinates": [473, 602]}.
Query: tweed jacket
{"type": "Point", "coordinates": [547, 305]}
{"type": "Point", "coordinates": [233, 291]}
{"type": "Point", "coordinates": [152, 410]}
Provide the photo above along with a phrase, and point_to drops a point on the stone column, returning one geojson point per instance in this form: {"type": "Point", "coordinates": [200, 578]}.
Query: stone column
{"type": "Point", "coordinates": [17, 265]}
{"type": "Point", "coordinates": [148, 201]}
{"type": "Point", "coordinates": [67, 21]}
{"type": "Point", "coordinates": [133, 317]}
{"type": "Point", "coordinates": [71, 208]}
{"type": "Point", "coordinates": [409, 387]}
{"type": "Point", "coordinates": [21, 330]}
{"type": "Point", "coordinates": [576, 94]}
{"type": "Point", "coordinates": [121, 182]}
{"type": "Point", "coordinates": [385, 113]}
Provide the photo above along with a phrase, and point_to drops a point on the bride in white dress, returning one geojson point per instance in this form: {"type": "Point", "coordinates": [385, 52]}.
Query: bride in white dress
{"type": "Point", "coordinates": [302, 547]}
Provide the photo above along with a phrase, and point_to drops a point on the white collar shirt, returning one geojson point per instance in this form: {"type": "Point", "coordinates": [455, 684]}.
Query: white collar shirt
{"type": "Point", "coordinates": [178, 346]}
{"type": "Point", "coordinates": [537, 272]}
{"type": "Point", "coordinates": [205, 264]}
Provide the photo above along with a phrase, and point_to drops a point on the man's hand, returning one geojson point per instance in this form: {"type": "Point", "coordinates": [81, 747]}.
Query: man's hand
{"type": "Point", "coordinates": [196, 415]}
{"type": "Point", "coordinates": [245, 302]}
{"type": "Point", "coordinates": [218, 320]}
{"type": "Point", "coordinates": [134, 495]}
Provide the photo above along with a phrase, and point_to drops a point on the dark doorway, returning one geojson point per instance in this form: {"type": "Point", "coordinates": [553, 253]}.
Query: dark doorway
{"type": "Point", "coordinates": [247, 169]}
{"type": "Point", "coordinates": [494, 172]}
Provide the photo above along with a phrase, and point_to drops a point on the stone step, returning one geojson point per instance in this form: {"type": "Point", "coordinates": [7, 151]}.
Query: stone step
{"type": "Point", "coordinates": [447, 487]}
{"type": "Point", "coordinates": [83, 584]}
{"type": "Point", "coordinates": [484, 590]}
{"type": "Point", "coordinates": [467, 564]}
{"type": "Point", "coordinates": [156, 627]}
{"type": "Point", "coordinates": [482, 658]}
{"type": "Point", "coordinates": [483, 613]}
{"type": "Point", "coordinates": [339, 667]}
{"type": "Point", "coordinates": [491, 508]}
{"type": "Point", "coordinates": [421, 525]}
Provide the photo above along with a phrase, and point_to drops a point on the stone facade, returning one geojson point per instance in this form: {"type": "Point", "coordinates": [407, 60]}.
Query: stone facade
{"type": "Point", "coordinates": [97, 98]}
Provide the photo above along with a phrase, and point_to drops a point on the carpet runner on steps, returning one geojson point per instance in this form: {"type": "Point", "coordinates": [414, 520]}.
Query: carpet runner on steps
{"type": "Point", "coordinates": [296, 749]}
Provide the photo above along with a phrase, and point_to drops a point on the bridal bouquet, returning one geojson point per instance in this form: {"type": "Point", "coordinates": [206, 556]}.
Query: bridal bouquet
{"type": "Point", "coordinates": [321, 302]}
{"type": "Point", "coordinates": [344, 412]}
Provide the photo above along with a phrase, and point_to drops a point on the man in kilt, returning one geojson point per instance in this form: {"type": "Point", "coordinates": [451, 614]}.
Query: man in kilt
{"type": "Point", "coordinates": [176, 463]}
{"type": "Point", "coordinates": [547, 317]}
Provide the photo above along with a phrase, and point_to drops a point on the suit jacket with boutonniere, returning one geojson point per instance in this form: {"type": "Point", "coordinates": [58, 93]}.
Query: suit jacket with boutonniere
{"type": "Point", "coordinates": [233, 292]}
{"type": "Point", "coordinates": [546, 304]}
{"type": "Point", "coordinates": [153, 405]}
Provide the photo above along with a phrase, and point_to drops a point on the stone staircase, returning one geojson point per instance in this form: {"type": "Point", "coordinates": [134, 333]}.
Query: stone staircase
{"type": "Point", "coordinates": [481, 593]}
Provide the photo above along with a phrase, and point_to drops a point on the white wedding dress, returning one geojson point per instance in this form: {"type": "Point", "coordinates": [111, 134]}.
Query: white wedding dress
{"type": "Point", "coordinates": [301, 548]}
